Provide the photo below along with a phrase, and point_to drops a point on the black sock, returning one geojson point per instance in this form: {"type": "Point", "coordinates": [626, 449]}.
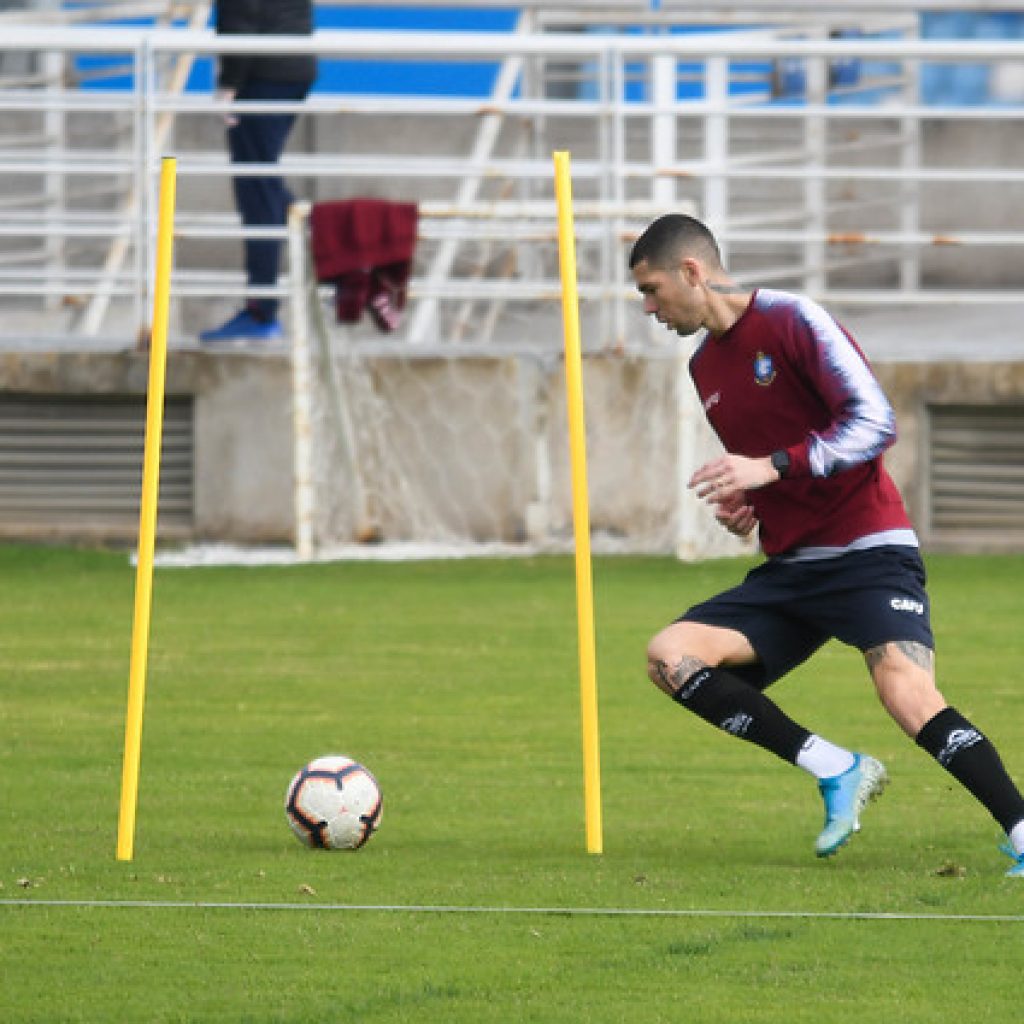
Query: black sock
{"type": "Point", "coordinates": [738, 708]}
{"type": "Point", "coordinates": [972, 760]}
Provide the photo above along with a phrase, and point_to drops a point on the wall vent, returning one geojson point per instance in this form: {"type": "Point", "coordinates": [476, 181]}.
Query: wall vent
{"type": "Point", "coordinates": [976, 476]}
{"type": "Point", "coordinates": [71, 465]}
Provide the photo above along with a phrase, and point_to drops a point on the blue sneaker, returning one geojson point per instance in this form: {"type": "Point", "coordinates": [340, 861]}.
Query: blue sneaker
{"type": "Point", "coordinates": [243, 326]}
{"type": "Point", "coordinates": [845, 797]}
{"type": "Point", "coordinates": [1017, 871]}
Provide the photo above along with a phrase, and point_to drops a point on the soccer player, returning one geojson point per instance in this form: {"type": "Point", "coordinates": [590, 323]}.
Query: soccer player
{"type": "Point", "coordinates": [804, 424]}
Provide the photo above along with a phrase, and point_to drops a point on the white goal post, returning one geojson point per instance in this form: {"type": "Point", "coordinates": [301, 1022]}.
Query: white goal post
{"type": "Point", "coordinates": [462, 445]}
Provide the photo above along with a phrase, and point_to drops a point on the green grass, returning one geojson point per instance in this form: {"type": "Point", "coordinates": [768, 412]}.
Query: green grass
{"type": "Point", "coordinates": [457, 684]}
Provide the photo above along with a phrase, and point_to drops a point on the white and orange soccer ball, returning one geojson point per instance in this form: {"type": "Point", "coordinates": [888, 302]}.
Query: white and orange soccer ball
{"type": "Point", "coordinates": [334, 803]}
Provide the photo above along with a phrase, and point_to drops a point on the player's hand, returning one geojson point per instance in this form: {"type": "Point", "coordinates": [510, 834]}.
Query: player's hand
{"type": "Point", "coordinates": [726, 479]}
{"type": "Point", "coordinates": [227, 96]}
{"type": "Point", "coordinates": [736, 516]}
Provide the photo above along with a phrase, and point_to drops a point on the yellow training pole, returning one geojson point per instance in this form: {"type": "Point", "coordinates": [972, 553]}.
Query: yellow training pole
{"type": "Point", "coordinates": [580, 503]}
{"type": "Point", "coordinates": [147, 514]}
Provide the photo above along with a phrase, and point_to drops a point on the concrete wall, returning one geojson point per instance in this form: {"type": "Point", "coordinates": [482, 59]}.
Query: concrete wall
{"type": "Point", "coordinates": [913, 388]}
{"type": "Point", "coordinates": [242, 423]}
{"type": "Point", "coordinates": [243, 427]}
{"type": "Point", "coordinates": [244, 437]}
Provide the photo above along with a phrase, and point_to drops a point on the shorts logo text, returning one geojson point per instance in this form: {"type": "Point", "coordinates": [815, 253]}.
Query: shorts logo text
{"type": "Point", "coordinates": [906, 604]}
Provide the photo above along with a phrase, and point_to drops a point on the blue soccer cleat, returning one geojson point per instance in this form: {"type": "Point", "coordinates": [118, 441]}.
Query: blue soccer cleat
{"type": "Point", "coordinates": [243, 326]}
{"type": "Point", "coordinates": [1017, 871]}
{"type": "Point", "coordinates": [845, 797]}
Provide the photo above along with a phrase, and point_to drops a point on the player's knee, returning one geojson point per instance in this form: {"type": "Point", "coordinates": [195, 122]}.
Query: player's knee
{"type": "Point", "coordinates": [909, 694]}
{"type": "Point", "coordinates": [668, 666]}
{"type": "Point", "coordinates": [659, 673]}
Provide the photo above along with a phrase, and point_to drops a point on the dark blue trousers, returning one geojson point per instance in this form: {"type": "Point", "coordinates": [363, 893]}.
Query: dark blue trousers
{"type": "Point", "coordinates": [261, 138]}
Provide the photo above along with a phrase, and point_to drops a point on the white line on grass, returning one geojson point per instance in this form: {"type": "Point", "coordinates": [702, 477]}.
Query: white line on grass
{"type": "Point", "coordinates": [400, 908]}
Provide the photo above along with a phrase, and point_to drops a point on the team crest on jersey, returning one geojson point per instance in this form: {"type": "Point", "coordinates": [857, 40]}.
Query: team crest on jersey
{"type": "Point", "coordinates": [764, 369]}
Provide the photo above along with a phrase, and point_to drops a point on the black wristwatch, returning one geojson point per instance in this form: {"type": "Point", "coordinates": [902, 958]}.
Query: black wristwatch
{"type": "Point", "coordinates": [780, 460]}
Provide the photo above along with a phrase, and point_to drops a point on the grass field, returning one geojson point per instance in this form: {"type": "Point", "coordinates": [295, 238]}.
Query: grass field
{"type": "Point", "coordinates": [457, 684]}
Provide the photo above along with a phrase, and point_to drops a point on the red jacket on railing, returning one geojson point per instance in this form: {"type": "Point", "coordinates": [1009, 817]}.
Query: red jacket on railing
{"type": "Point", "coordinates": [365, 248]}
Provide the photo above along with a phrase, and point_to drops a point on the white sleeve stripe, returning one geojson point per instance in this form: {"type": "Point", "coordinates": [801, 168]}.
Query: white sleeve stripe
{"type": "Point", "coordinates": [867, 425]}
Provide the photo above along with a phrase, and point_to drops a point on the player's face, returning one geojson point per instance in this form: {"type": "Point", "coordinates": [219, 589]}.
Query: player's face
{"type": "Point", "coordinates": [670, 297]}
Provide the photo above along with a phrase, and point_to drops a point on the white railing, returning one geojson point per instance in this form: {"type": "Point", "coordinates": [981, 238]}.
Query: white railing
{"type": "Point", "coordinates": [846, 193]}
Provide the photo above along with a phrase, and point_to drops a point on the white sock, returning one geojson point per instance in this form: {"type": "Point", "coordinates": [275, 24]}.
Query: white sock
{"type": "Point", "coordinates": [1016, 835]}
{"type": "Point", "coordinates": [825, 760]}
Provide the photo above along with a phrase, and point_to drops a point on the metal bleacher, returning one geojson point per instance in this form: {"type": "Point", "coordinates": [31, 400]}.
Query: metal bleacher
{"type": "Point", "coordinates": [867, 153]}
{"type": "Point", "coordinates": [802, 132]}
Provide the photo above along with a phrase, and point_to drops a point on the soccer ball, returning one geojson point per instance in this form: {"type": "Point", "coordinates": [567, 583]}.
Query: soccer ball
{"type": "Point", "coordinates": [333, 803]}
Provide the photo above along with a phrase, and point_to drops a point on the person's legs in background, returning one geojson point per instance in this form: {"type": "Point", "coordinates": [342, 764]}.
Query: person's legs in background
{"type": "Point", "coordinates": [261, 200]}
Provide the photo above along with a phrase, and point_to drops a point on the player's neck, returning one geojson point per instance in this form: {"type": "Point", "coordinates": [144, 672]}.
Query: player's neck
{"type": "Point", "coordinates": [727, 302]}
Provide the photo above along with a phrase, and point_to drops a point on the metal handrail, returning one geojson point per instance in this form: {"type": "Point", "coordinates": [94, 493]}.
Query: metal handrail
{"type": "Point", "coordinates": [612, 171]}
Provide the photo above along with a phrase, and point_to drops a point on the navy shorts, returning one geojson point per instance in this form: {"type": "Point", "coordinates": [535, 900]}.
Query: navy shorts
{"type": "Point", "coordinates": [787, 610]}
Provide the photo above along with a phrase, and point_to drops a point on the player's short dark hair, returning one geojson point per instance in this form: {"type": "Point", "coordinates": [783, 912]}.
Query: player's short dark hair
{"type": "Point", "coordinates": [671, 237]}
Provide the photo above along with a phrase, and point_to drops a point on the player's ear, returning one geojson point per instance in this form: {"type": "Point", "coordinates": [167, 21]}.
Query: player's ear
{"type": "Point", "coordinates": [692, 271]}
